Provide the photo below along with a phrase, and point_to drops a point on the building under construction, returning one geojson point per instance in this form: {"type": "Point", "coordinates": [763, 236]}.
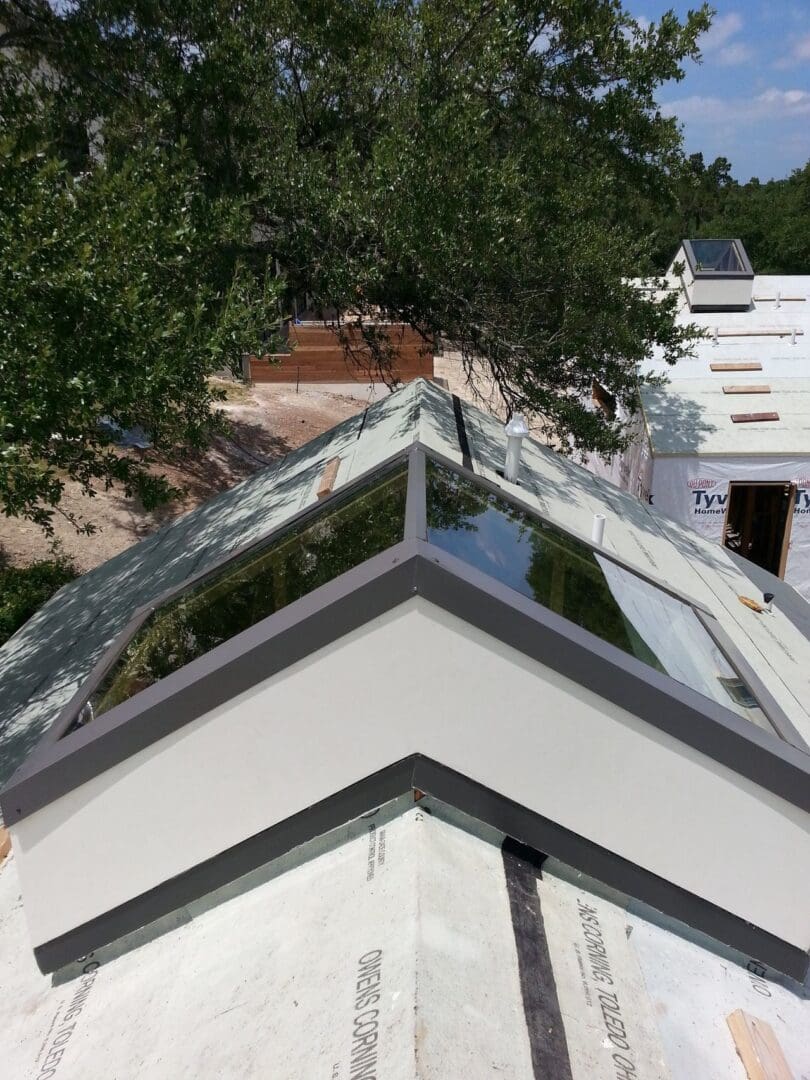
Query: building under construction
{"type": "Point", "coordinates": [410, 757]}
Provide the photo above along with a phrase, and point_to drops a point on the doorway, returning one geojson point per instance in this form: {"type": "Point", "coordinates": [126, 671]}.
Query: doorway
{"type": "Point", "coordinates": [758, 520]}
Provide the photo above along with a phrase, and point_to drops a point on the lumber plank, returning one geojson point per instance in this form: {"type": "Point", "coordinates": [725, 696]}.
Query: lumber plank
{"type": "Point", "coordinates": [758, 388]}
{"type": "Point", "coordinates": [328, 477]}
{"type": "Point", "coordinates": [753, 417]}
{"type": "Point", "coordinates": [741, 365]}
{"type": "Point", "coordinates": [5, 842]}
{"type": "Point", "coordinates": [758, 1047]}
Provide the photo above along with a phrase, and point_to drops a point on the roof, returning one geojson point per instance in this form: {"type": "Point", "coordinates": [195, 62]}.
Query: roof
{"type": "Point", "coordinates": [263, 764]}
{"type": "Point", "coordinates": [694, 416]}
{"type": "Point", "coordinates": [697, 419]}
{"type": "Point", "coordinates": [47, 660]}
{"type": "Point", "coordinates": [635, 651]}
{"type": "Point", "coordinates": [417, 946]}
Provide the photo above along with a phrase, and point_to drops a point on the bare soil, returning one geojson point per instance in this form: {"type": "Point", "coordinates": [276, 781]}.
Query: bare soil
{"type": "Point", "coordinates": [266, 421]}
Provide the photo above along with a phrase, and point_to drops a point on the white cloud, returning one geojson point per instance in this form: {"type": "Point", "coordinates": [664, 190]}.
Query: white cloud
{"type": "Point", "coordinates": [797, 55]}
{"type": "Point", "coordinates": [721, 30]}
{"type": "Point", "coordinates": [735, 53]}
{"type": "Point", "coordinates": [770, 104]}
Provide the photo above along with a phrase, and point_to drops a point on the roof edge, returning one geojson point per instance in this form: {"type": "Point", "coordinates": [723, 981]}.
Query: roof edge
{"type": "Point", "coordinates": [410, 568]}
{"type": "Point", "coordinates": [420, 774]}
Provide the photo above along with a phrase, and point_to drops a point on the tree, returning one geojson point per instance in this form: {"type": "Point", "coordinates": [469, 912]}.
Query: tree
{"type": "Point", "coordinates": [773, 220]}
{"type": "Point", "coordinates": [463, 165]}
{"type": "Point", "coordinates": [121, 289]}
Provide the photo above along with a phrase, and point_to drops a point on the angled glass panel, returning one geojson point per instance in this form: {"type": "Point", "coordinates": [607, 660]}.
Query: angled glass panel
{"type": "Point", "coordinates": [563, 574]}
{"type": "Point", "coordinates": [718, 255]}
{"type": "Point", "coordinates": [255, 585]}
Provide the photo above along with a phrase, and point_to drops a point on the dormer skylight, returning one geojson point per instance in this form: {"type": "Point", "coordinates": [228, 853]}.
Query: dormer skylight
{"type": "Point", "coordinates": [416, 499]}
{"type": "Point", "coordinates": [715, 274]}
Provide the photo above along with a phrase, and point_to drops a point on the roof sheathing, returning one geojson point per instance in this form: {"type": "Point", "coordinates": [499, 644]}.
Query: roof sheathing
{"type": "Point", "coordinates": [466, 988]}
{"type": "Point", "coordinates": [46, 661]}
{"type": "Point", "coordinates": [694, 421]}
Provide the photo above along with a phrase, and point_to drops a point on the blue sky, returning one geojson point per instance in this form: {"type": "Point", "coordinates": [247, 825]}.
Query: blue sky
{"type": "Point", "coordinates": [749, 100]}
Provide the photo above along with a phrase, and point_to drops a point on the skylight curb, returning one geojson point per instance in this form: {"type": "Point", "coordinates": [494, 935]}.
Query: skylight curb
{"type": "Point", "coordinates": [353, 599]}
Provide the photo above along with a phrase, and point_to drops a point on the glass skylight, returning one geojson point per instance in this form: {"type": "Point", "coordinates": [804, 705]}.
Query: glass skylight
{"type": "Point", "coordinates": [255, 585]}
{"type": "Point", "coordinates": [563, 574]}
{"type": "Point", "coordinates": [719, 255]}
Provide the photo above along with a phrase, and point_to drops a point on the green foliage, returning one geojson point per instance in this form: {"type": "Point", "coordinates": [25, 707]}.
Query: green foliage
{"type": "Point", "coordinates": [772, 219]}
{"type": "Point", "coordinates": [458, 164]}
{"type": "Point", "coordinates": [121, 290]}
{"type": "Point", "coordinates": [24, 591]}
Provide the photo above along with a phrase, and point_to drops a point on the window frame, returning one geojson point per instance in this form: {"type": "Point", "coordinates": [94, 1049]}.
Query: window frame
{"type": "Point", "coordinates": [414, 459]}
{"type": "Point", "coordinates": [62, 727]}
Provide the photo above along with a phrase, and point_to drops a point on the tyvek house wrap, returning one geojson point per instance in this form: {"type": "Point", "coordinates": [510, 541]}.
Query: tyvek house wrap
{"type": "Point", "coordinates": [695, 491]}
{"type": "Point", "coordinates": [415, 950]}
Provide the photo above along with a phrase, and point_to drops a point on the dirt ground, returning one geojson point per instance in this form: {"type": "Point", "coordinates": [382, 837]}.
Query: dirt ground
{"type": "Point", "coordinates": [267, 422]}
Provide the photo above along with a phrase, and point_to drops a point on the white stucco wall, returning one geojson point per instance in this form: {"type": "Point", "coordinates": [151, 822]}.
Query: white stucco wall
{"type": "Point", "coordinates": [416, 680]}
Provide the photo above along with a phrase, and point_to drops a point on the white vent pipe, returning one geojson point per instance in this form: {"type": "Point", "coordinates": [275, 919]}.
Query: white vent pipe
{"type": "Point", "coordinates": [598, 529]}
{"type": "Point", "coordinates": [793, 336]}
{"type": "Point", "coordinates": [716, 336]}
{"type": "Point", "coordinates": [778, 297]}
{"type": "Point", "coordinates": [516, 431]}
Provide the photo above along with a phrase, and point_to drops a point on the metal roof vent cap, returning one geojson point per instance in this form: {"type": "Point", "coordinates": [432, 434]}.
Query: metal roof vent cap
{"type": "Point", "coordinates": [516, 431]}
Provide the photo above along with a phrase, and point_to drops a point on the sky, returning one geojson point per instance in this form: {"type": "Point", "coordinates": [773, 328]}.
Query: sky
{"type": "Point", "coordinates": [749, 99]}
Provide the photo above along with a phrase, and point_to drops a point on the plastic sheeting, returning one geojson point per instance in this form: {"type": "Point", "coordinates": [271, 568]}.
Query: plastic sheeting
{"type": "Point", "coordinates": [694, 491]}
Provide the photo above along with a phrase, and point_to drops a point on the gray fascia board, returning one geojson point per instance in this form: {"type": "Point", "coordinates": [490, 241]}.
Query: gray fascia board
{"type": "Point", "coordinates": [111, 654]}
{"type": "Point", "coordinates": [658, 699]}
{"type": "Point", "coordinates": [360, 595]}
{"type": "Point", "coordinates": [502, 814]}
{"type": "Point", "coordinates": [421, 774]}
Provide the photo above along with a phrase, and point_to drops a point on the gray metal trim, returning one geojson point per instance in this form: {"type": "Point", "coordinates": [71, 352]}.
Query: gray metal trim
{"type": "Point", "coordinates": [747, 273]}
{"type": "Point", "coordinates": [352, 600]}
{"type": "Point", "coordinates": [415, 527]}
{"type": "Point", "coordinates": [656, 698]}
{"type": "Point", "coordinates": [227, 866]}
{"type": "Point", "coordinates": [69, 712]}
{"type": "Point", "coordinates": [544, 835]}
{"type": "Point", "coordinates": [773, 711]}
{"type": "Point", "coordinates": [467, 796]}
{"type": "Point", "coordinates": [416, 505]}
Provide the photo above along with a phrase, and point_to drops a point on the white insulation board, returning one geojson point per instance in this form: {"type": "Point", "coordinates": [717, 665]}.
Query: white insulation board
{"type": "Point", "coordinates": [401, 954]}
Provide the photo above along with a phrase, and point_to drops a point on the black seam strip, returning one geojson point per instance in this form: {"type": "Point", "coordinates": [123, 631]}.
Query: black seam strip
{"type": "Point", "coordinates": [461, 431]}
{"type": "Point", "coordinates": [538, 988]}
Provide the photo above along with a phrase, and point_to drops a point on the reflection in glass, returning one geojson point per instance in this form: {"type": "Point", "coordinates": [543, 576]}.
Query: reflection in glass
{"type": "Point", "coordinates": [255, 585]}
{"type": "Point", "coordinates": [563, 574]}
{"type": "Point", "coordinates": [719, 255]}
